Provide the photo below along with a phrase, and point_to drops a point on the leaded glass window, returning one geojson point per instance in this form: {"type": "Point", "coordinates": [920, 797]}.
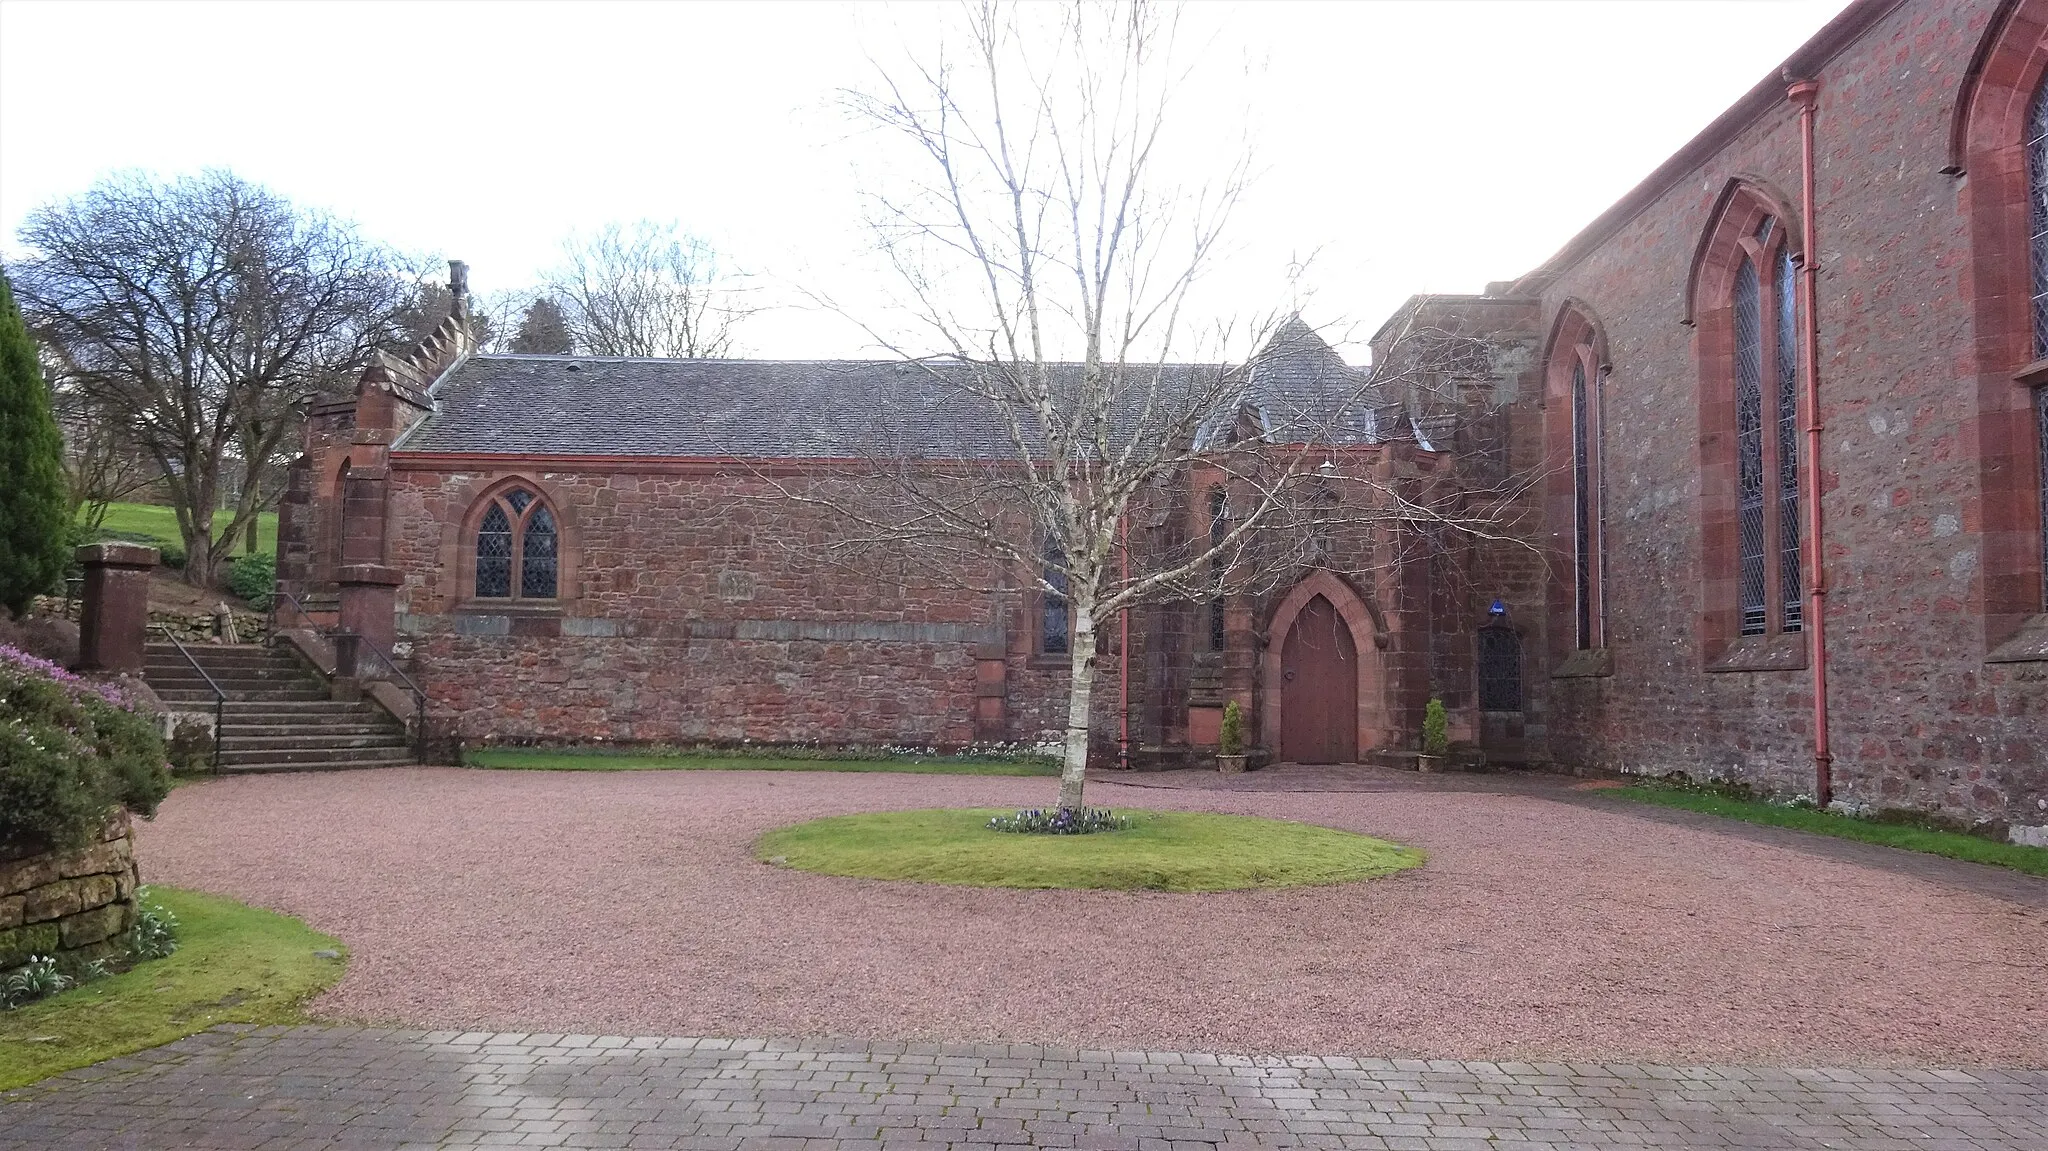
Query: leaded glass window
{"type": "Point", "coordinates": [1500, 669]}
{"type": "Point", "coordinates": [537, 556]}
{"type": "Point", "coordinates": [2041, 438]}
{"type": "Point", "coordinates": [1582, 501]}
{"type": "Point", "coordinates": [517, 534]}
{"type": "Point", "coordinates": [1055, 616]}
{"type": "Point", "coordinates": [1788, 443]}
{"type": "Point", "coordinates": [1749, 449]}
{"type": "Point", "coordinates": [2037, 218]}
{"type": "Point", "coordinates": [2037, 213]}
{"type": "Point", "coordinates": [494, 555]}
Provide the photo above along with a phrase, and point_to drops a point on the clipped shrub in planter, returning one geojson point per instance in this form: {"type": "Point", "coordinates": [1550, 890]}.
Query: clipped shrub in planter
{"type": "Point", "coordinates": [71, 753]}
{"type": "Point", "coordinates": [1436, 738]}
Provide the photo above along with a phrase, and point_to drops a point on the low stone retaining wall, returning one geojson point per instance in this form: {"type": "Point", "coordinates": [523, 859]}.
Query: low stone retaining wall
{"type": "Point", "coordinates": [74, 905]}
{"type": "Point", "coordinates": [190, 627]}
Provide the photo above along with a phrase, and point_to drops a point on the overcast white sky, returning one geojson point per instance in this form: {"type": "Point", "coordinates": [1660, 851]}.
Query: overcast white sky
{"type": "Point", "coordinates": [1413, 146]}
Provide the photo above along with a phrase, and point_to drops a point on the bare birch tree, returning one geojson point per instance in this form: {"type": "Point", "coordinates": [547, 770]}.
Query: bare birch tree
{"type": "Point", "coordinates": [647, 289]}
{"type": "Point", "coordinates": [1046, 247]}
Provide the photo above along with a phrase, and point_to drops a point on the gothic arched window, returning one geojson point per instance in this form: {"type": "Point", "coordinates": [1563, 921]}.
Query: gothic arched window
{"type": "Point", "coordinates": [2000, 139]}
{"type": "Point", "coordinates": [518, 550]}
{"type": "Point", "coordinates": [1577, 378]}
{"type": "Point", "coordinates": [1765, 316]}
{"type": "Point", "coordinates": [2037, 229]}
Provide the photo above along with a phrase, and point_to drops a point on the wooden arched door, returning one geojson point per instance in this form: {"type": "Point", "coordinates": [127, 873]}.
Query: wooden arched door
{"type": "Point", "coordinates": [1319, 688]}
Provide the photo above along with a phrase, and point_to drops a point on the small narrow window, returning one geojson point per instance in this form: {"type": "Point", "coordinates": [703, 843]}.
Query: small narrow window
{"type": "Point", "coordinates": [1055, 620]}
{"type": "Point", "coordinates": [517, 534]}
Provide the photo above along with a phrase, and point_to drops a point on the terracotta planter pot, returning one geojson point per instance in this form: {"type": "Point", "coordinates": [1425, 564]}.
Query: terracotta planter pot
{"type": "Point", "coordinates": [1231, 764]}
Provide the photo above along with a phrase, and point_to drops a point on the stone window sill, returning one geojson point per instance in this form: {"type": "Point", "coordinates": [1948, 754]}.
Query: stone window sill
{"type": "Point", "coordinates": [536, 607]}
{"type": "Point", "coordinates": [1783, 652]}
{"type": "Point", "coordinates": [1586, 663]}
{"type": "Point", "coordinates": [2030, 645]}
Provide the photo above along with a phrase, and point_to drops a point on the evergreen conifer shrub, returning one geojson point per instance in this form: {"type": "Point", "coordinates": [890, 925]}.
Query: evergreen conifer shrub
{"type": "Point", "coordinates": [35, 508]}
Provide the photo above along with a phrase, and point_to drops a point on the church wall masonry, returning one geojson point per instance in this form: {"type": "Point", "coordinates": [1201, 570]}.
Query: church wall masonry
{"type": "Point", "coordinates": [693, 604]}
{"type": "Point", "coordinates": [1920, 719]}
{"type": "Point", "coordinates": [698, 607]}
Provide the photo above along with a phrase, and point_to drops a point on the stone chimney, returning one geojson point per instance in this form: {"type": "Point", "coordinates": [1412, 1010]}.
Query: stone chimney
{"type": "Point", "coordinates": [458, 287]}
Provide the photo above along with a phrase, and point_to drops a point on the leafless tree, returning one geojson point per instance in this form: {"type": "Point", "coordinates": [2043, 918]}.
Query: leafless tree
{"type": "Point", "coordinates": [647, 289]}
{"type": "Point", "coordinates": [1045, 248]}
{"type": "Point", "coordinates": [195, 311]}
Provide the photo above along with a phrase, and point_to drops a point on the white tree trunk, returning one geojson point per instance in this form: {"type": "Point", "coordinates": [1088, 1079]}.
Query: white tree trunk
{"type": "Point", "coordinates": [1080, 692]}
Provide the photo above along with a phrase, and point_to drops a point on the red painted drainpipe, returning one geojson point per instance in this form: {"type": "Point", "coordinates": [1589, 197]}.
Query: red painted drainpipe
{"type": "Point", "coordinates": [1123, 652]}
{"type": "Point", "coordinates": [1806, 94]}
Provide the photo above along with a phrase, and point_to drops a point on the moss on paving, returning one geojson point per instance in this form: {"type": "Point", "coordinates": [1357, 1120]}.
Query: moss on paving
{"type": "Point", "coordinates": [530, 759]}
{"type": "Point", "coordinates": [1953, 844]}
{"type": "Point", "coordinates": [162, 523]}
{"type": "Point", "coordinates": [234, 964]}
{"type": "Point", "coordinates": [1162, 851]}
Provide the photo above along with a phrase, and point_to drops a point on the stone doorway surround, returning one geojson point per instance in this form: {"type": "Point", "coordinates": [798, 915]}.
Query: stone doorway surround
{"type": "Point", "coordinates": [1373, 729]}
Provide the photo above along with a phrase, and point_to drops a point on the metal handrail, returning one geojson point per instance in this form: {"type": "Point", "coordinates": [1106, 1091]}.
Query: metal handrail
{"type": "Point", "coordinates": [419, 696]}
{"type": "Point", "coordinates": [278, 594]}
{"type": "Point", "coordinates": [220, 698]}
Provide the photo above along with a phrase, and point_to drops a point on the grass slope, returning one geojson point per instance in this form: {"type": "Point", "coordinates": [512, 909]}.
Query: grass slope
{"type": "Point", "coordinates": [162, 523]}
{"type": "Point", "coordinates": [526, 759]}
{"type": "Point", "coordinates": [1165, 851]}
{"type": "Point", "coordinates": [1954, 845]}
{"type": "Point", "coordinates": [234, 964]}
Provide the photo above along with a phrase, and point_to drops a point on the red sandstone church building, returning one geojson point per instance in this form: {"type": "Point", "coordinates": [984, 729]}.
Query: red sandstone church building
{"type": "Point", "coordinates": [1789, 397]}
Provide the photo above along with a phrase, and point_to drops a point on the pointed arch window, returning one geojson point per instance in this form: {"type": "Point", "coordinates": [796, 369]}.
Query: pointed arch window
{"type": "Point", "coordinates": [1577, 378]}
{"type": "Point", "coordinates": [518, 548]}
{"type": "Point", "coordinates": [1585, 503]}
{"type": "Point", "coordinates": [1765, 318]}
{"type": "Point", "coordinates": [2037, 230]}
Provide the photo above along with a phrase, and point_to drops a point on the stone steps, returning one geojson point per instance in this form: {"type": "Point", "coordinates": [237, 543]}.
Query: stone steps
{"type": "Point", "coordinates": [278, 715]}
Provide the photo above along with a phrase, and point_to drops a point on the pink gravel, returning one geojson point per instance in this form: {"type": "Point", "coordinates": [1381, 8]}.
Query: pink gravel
{"type": "Point", "coordinates": [629, 903]}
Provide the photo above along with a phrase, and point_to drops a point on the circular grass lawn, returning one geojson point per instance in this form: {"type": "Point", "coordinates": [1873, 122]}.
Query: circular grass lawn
{"type": "Point", "coordinates": [1161, 851]}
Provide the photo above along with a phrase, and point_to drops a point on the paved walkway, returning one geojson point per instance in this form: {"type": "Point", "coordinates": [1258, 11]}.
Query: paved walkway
{"type": "Point", "coordinates": [357, 1087]}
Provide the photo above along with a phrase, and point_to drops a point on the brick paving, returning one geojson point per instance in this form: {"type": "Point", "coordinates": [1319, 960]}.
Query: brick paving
{"type": "Point", "coordinates": [237, 1088]}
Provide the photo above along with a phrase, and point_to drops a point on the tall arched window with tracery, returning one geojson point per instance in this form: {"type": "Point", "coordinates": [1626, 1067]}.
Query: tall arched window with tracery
{"type": "Point", "coordinates": [518, 550]}
{"type": "Point", "coordinates": [1577, 378]}
{"type": "Point", "coordinates": [2037, 228]}
{"type": "Point", "coordinates": [1765, 316]}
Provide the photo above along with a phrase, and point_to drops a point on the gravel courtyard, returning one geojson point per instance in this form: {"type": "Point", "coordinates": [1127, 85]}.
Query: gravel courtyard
{"type": "Point", "coordinates": [629, 903]}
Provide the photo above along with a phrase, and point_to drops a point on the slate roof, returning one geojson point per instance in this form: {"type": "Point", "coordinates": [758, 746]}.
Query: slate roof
{"type": "Point", "coordinates": [790, 409]}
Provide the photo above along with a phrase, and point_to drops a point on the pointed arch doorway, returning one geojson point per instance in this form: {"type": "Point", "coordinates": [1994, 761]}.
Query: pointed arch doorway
{"type": "Point", "coordinates": [1319, 687]}
{"type": "Point", "coordinates": [1322, 675]}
